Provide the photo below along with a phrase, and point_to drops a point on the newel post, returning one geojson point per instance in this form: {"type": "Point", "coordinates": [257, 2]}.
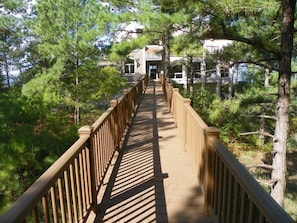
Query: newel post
{"type": "Point", "coordinates": [87, 131]}
{"type": "Point", "coordinates": [210, 134]}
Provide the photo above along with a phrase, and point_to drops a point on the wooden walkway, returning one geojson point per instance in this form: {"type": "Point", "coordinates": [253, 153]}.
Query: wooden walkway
{"type": "Point", "coordinates": [152, 179]}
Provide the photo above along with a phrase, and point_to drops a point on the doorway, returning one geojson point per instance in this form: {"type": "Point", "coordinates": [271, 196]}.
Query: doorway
{"type": "Point", "coordinates": [153, 72]}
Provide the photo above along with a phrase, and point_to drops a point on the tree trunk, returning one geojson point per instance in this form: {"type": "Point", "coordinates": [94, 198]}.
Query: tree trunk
{"type": "Point", "coordinates": [236, 78]}
{"type": "Point", "coordinates": [219, 78]}
{"type": "Point", "coordinates": [166, 52]}
{"type": "Point", "coordinates": [231, 81]}
{"type": "Point", "coordinates": [6, 70]}
{"type": "Point", "coordinates": [203, 72]}
{"type": "Point", "coordinates": [283, 102]}
{"type": "Point", "coordinates": [76, 108]}
{"type": "Point", "coordinates": [190, 75]}
{"type": "Point", "coordinates": [267, 74]}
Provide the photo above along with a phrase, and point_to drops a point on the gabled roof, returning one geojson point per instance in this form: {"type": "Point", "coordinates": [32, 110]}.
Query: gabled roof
{"type": "Point", "coordinates": [153, 52]}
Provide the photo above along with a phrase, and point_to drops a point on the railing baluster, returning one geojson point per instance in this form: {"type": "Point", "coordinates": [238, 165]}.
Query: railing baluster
{"type": "Point", "coordinates": [61, 198]}
{"type": "Point", "coordinates": [78, 186]}
{"type": "Point", "coordinates": [216, 182]}
{"type": "Point", "coordinates": [54, 204]}
{"type": "Point", "coordinates": [73, 192]}
{"type": "Point", "coordinates": [230, 195]}
{"type": "Point", "coordinates": [90, 177]}
{"type": "Point", "coordinates": [85, 179]}
{"type": "Point", "coordinates": [213, 174]}
{"type": "Point", "coordinates": [251, 218]}
{"type": "Point", "coordinates": [45, 209]}
{"type": "Point", "coordinates": [96, 158]}
{"type": "Point", "coordinates": [224, 191]}
{"type": "Point", "coordinates": [236, 203]}
{"type": "Point", "coordinates": [242, 206]}
{"type": "Point", "coordinates": [261, 218]}
{"type": "Point", "coordinates": [82, 184]}
{"type": "Point", "coordinates": [100, 150]}
{"type": "Point", "coordinates": [35, 215]}
{"type": "Point", "coordinates": [68, 197]}
{"type": "Point", "coordinates": [220, 191]}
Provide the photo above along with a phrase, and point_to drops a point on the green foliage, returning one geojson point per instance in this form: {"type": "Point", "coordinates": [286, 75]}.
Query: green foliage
{"type": "Point", "coordinates": [237, 116]}
{"type": "Point", "coordinates": [31, 138]}
{"type": "Point", "coordinates": [120, 51]}
{"type": "Point", "coordinates": [99, 83]}
{"type": "Point", "coordinates": [202, 102]}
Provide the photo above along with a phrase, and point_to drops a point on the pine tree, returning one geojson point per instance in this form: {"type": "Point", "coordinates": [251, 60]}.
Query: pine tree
{"type": "Point", "coordinates": [67, 33]}
{"type": "Point", "coordinates": [10, 39]}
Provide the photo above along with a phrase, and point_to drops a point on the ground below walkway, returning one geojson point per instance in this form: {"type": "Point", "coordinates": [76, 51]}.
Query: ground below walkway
{"type": "Point", "coordinates": [153, 179]}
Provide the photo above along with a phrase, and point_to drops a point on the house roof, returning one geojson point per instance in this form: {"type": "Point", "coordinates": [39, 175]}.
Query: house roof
{"type": "Point", "coordinates": [153, 52]}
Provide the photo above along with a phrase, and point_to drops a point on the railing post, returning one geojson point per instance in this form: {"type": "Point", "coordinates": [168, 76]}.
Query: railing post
{"type": "Point", "coordinates": [87, 131]}
{"type": "Point", "coordinates": [210, 133]}
{"type": "Point", "coordinates": [174, 104]}
{"type": "Point", "coordinates": [133, 95]}
{"type": "Point", "coordinates": [143, 84]}
{"type": "Point", "coordinates": [187, 102]}
{"type": "Point", "coordinates": [126, 111]}
{"type": "Point", "coordinates": [115, 124]}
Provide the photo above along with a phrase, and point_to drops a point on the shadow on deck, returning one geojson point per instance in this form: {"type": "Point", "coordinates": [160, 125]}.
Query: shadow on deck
{"type": "Point", "coordinates": [152, 179]}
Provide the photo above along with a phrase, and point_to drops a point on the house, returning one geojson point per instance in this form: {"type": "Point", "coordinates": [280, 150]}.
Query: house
{"type": "Point", "coordinates": [149, 60]}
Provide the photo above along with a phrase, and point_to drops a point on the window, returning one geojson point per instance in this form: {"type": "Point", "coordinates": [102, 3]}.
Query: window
{"type": "Point", "coordinates": [197, 69]}
{"type": "Point", "coordinates": [129, 68]}
{"type": "Point", "coordinates": [212, 49]}
{"type": "Point", "coordinates": [224, 72]}
{"type": "Point", "coordinates": [197, 74]}
{"type": "Point", "coordinates": [178, 75]}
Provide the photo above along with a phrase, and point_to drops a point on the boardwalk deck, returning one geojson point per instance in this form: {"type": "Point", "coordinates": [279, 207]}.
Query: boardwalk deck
{"type": "Point", "coordinates": [153, 179]}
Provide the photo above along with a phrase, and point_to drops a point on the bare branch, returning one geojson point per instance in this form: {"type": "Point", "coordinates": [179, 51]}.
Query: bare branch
{"type": "Point", "coordinates": [267, 183]}
{"type": "Point", "coordinates": [265, 166]}
{"type": "Point", "coordinates": [267, 116]}
{"type": "Point", "coordinates": [257, 133]}
{"type": "Point", "coordinates": [261, 116]}
{"type": "Point", "coordinates": [260, 63]}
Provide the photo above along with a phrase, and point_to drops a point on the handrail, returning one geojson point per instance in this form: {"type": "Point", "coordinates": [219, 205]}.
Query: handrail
{"type": "Point", "coordinates": [68, 190]}
{"type": "Point", "coordinates": [231, 193]}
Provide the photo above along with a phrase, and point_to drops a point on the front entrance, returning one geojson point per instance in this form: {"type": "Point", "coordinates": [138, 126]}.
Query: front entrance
{"type": "Point", "coordinates": [153, 72]}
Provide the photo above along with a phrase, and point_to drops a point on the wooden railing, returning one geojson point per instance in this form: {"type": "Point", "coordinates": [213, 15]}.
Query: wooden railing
{"type": "Point", "coordinates": [231, 193]}
{"type": "Point", "coordinates": [67, 191]}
